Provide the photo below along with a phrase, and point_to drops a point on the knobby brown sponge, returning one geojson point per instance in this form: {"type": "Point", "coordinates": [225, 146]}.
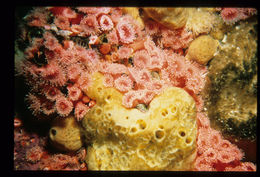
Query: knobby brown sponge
{"type": "Point", "coordinates": [65, 134]}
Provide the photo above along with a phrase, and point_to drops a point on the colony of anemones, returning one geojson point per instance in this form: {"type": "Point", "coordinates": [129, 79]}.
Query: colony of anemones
{"type": "Point", "coordinates": [232, 15]}
{"type": "Point", "coordinates": [139, 63]}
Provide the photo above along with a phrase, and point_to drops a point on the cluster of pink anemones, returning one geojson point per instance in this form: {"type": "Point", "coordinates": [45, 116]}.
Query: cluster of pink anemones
{"type": "Point", "coordinates": [134, 97]}
{"type": "Point", "coordinates": [123, 83]}
{"type": "Point", "coordinates": [113, 68]}
{"type": "Point", "coordinates": [181, 73]}
{"type": "Point", "coordinates": [38, 17]}
{"type": "Point", "coordinates": [124, 52]}
{"type": "Point", "coordinates": [62, 22]}
{"type": "Point", "coordinates": [214, 152]}
{"type": "Point", "coordinates": [125, 31]}
{"type": "Point", "coordinates": [116, 14]}
{"type": "Point", "coordinates": [33, 48]}
{"type": "Point", "coordinates": [108, 80]}
{"type": "Point", "coordinates": [232, 15]}
{"type": "Point", "coordinates": [54, 74]}
{"type": "Point", "coordinates": [105, 23]}
{"type": "Point", "coordinates": [34, 103]}
{"type": "Point", "coordinates": [63, 106]}
{"type": "Point", "coordinates": [70, 66]}
{"type": "Point", "coordinates": [90, 25]}
{"type": "Point", "coordinates": [112, 37]}
{"type": "Point", "coordinates": [65, 63]}
{"type": "Point", "coordinates": [52, 92]}
{"type": "Point", "coordinates": [185, 74]}
{"type": "Point", "coordinates": [94, 10]}
{"type": "Point", "coordinates": [140, 77]}
{"type": "Point", "coordinates": [74, 93]}
{"type": "Point", "coordinates": [48, 107]}
{"type": "Point", "coordinates": [80, 110]}
{"type": "Point", "coordinates": [176, 39]}
{"type": "Point", "coordinates": [152, 27]}
{"type": "Point", "coordinates": [69, 13]}
{"type": "Point", "coordinates": [141, 59]}
{"type": "Point", "coordinates": [74, 71]}
{"type": "Point", "coordinates": [51, 42]}
{"type": "Point", "coordinates": [34, 154]}
{"type": "Point", "coordinates": [144, 89]}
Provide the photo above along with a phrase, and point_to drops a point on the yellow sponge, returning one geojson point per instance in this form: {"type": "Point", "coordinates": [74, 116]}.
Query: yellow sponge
{"type": "Point", "coordinates": [163, 138]}
{"type": "Point", "coordinates": [202, 49]}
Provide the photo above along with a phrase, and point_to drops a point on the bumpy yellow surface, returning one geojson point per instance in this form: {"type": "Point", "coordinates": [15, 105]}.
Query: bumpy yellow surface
{"type": "Point", "coordinates": [202, 49]}
{"type": "Point", "coordinates": [163, 138]}
{"type": "Point", "coordinates": [172, 18]}
{"type": "Point", "coordinates": [65, 134]}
